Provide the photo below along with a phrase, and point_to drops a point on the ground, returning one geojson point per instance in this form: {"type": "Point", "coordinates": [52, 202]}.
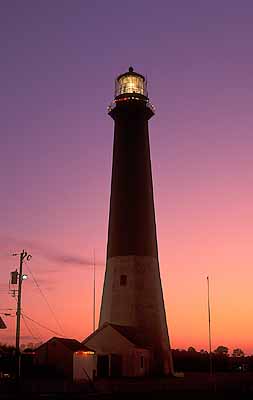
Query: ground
{"type": "Point", "coordinates": [193, 385]}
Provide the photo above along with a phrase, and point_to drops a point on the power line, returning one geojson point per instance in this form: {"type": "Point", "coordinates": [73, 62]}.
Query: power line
{"type": "Point", "coordinates": [26, 316]}
{"type": "Point", "coordinates": [29, 330]}
{"type": "Point", "coordinates": [43, 295]}
{"type": "Point", "coordinates": [43, 326]}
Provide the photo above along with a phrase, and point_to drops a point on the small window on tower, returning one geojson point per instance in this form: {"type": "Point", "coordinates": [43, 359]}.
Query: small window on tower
{"type": "Point", "coordinates": [123, 280]}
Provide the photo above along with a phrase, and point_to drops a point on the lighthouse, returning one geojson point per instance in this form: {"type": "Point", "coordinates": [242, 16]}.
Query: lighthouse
{"type": "Point", "coordinates": [132, 300]}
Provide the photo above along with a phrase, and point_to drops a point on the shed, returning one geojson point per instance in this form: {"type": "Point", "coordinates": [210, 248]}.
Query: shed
{"type": "Point", "coordinates": [118, 351]}
{"type": "Point", "coordinates": [84, 365]}
{"type": "Point", "coordinates": [59, 354]}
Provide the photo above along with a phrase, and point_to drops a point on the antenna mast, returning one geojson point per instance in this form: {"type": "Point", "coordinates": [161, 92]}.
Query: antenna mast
{"type": "Point", "coordinates": [94, 291]}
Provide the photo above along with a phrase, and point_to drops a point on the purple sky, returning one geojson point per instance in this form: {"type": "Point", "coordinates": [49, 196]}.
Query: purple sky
{"type": "Point", "coordinates": [58, 63]}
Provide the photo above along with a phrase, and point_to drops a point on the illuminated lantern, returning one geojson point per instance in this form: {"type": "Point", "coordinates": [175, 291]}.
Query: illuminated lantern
{"type": "Point", "coordinates": [130, 82]}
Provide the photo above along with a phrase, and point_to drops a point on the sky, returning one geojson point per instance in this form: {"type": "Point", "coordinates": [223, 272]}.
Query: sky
{"type": "Point", "coordinates": [59, 60]}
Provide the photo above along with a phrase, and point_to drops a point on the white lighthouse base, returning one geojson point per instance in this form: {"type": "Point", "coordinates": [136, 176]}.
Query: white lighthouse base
{"type": "Point", "coordinates": [132, 297]}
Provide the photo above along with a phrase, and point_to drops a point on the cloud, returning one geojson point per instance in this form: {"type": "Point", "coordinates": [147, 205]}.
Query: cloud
{"type": "Point", "coordinates": [45, 251]}
{"type": "Point", "coordinates": [66, 259]}
{"type": "Point", "coordinates": [10, 338]}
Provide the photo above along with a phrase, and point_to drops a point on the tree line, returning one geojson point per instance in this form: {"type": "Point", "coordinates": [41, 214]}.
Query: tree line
{"type": "Point", "coordinates": [222, 360]}
{"type": "Point", "coordinates": [184, 360]}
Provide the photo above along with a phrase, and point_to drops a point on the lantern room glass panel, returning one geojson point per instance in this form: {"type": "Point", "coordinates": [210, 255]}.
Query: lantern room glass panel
{"type": "Point", "coordinates": [130, 84]}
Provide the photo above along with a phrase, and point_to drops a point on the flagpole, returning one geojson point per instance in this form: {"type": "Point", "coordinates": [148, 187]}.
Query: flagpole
{"type": "Point", "coordinates": [209, 328]}
{"type": "Point", "coordinates": [94, 291]}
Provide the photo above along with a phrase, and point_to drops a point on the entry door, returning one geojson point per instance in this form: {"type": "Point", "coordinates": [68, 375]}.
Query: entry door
{"type": "Point", "coordinates": [103, 366]}
{"type": "Point", "coordinates": [116, 365]}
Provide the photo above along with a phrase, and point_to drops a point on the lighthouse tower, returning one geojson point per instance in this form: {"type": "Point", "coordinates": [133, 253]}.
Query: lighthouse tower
{"type": "Point", "coordinates": [132, 293]}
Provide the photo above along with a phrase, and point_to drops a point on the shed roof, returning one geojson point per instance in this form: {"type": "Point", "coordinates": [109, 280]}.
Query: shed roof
{"type": "Point", "coordinates": [128, 332]}
{"type": "Point", "coordinates": [71, 344]}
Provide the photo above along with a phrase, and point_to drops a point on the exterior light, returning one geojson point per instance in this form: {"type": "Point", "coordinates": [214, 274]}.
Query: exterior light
{"type": "Point", "coordinates": [84, 353]}
{"type": "Point", "coordinates": [24, 277]}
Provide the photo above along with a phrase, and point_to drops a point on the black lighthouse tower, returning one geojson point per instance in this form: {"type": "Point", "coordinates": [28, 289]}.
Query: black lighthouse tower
{"type": "Point", "coordinates": [132, 293]}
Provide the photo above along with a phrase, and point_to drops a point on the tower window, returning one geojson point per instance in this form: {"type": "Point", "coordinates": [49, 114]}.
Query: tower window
{"type": "Point", "coordinates": [123, 280]}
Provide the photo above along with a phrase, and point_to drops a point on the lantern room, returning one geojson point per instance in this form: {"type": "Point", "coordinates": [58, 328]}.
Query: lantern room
{"type": "Point", "coordinates": [130, 87]}
{"type": "Point", "coordinates": [130, 83]}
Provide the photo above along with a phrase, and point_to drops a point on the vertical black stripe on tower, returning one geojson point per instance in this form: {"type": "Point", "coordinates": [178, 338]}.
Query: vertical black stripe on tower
{"type": "Point", "coordinates": [132, 229]}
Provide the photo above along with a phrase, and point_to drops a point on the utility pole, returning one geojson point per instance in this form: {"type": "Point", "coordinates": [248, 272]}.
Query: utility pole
{"type": "Point", "coordinates": [23, 255]}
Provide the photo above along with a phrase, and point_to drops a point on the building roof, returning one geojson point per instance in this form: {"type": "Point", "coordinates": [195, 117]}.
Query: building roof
{"type": "Point", "coordinates": [128, 332]}
{"type": "Point", "coordinates": [71, 344]}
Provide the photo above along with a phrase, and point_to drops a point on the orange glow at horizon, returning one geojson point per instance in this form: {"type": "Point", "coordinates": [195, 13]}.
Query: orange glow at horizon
{"type": "Point", "coordinates": [202, 230]}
